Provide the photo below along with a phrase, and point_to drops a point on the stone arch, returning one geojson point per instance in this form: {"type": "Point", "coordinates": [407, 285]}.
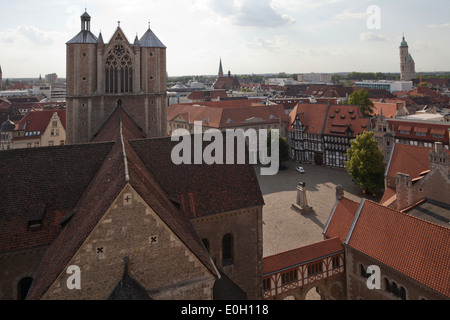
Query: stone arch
{"type": "Point", "coordinates": [314, 293]}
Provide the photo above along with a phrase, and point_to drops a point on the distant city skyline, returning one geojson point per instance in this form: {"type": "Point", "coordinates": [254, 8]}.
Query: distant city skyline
{"type": "Point", "coordinates": [251, 36]}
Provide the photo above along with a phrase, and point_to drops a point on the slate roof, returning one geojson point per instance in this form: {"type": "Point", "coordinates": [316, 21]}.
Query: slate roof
{"type": "Point", "coordinates": [55, 177]}
{"type": "Point", "coordinates": [150, 40]}
{"type": "Point", "coordinates": [175, 193]}
{"type": "Point", "coordinates": [199, 190]}
{"type": "Point", "coordinates": [84, 36]}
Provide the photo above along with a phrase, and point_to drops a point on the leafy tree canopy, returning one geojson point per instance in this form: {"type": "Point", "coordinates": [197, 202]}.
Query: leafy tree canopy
{"type": "Point", "coordinates": [362, 99]}
{"type": "Point", "coordinates": [365, 165]}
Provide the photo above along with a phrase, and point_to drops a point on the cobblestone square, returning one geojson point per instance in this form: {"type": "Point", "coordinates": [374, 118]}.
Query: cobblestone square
{"type": "Point", "coordinates": [284, 228]}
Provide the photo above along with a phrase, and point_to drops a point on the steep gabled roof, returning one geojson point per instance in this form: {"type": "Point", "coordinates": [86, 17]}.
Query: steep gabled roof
{"type": "Point", "coordinates": [120, 167]}
{"type": "Point", "coordinates": [312, 116]}
{"type": "Point", "coordinates": [54, 177]}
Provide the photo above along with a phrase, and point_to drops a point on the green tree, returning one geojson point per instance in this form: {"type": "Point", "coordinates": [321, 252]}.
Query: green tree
{"type": "Point", "coordinates": [365, 165]}
{"type": "Point", "coordinates": [362, 99]}
{"type": "Point", "coordinates": [283, 148]}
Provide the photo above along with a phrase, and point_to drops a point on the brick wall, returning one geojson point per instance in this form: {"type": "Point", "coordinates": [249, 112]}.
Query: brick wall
{"type": "Point", "coordinates": [15, 266]}
{"type": "Point", "coordinates": [246, 228]}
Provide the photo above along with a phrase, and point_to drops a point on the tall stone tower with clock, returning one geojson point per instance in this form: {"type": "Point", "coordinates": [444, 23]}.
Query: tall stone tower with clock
{"type": "Point", "coordinates": [102, 76]}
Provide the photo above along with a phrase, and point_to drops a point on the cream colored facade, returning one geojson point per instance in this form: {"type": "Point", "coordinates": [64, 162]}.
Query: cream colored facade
{"type": "Point", "coordinates": [54, 135]}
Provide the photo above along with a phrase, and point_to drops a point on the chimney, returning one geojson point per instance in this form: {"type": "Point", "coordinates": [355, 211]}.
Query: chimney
{"type": "Point", "coordinates": [339, 192]}
{"type": "Point", "coordinates": [404, 191]}
{"type": "Point", "coordinates": [438, 147]}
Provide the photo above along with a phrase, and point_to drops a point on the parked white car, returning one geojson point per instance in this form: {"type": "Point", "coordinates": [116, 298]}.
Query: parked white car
{"type": "Point", "coordinates": [300, 169]}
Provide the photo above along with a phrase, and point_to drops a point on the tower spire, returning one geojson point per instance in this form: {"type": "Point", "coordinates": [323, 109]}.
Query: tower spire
{"type": "Point", "coordinates": [220, 68]}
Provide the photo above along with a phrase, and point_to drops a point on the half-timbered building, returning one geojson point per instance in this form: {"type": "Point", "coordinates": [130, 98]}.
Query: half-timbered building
{"type": "Point", "coordinates": [322, 133]}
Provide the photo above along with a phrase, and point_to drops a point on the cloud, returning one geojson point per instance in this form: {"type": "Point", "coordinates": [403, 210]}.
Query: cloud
{"type": "Point", "coordinates": [352, 15]}
{"type": "Point", "coordinates": [370, 36]}
{"type": "Point", "coordinates": [443, 25]}
{"type": "Point", "coordinates": [31, 35]}
{"type": "Point", "coordinates": [251, 13]}
{"type": "Point", "coordinates": [278, 43]}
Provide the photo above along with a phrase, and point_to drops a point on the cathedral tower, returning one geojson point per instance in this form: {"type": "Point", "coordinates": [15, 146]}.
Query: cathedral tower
{"type": "Point", "coordinates": [407, 65]}
{"type": "Point", "coordinates": [102, 76]}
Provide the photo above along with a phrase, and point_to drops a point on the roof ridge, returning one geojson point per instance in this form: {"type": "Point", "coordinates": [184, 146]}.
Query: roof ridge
{"type": "Point", "coordinates": [355, 220]}
{"type": "Point", "coordinates": [408, 215]}
{"type": "Point", "coordinates": [124, 152]}
{"type": "Point", "coordinates": [305, 246]}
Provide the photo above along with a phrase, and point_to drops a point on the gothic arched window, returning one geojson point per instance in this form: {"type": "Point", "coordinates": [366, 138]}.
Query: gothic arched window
{"type": "Point", "coordinates": [118, 70]}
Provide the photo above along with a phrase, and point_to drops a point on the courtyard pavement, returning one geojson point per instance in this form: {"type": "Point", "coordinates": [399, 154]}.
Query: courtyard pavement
{"type": "Point", "coordinates": [284, 228]}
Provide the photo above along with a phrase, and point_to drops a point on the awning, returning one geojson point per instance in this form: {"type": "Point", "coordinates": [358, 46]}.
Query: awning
{"type": "Point", "coordinates": [438, 131]}
{"type": "Point", "coordinates": [404, 128]}
{"type": "Point", "coordinates": [421, 130]}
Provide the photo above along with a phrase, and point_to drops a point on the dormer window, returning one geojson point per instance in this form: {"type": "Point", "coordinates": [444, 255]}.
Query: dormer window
{"type": "Point", "coordinates": [36, 215]}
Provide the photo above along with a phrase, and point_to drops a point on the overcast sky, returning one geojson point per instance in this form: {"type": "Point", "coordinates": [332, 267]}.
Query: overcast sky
{"type": "Point", "coordinates": [251, 36]}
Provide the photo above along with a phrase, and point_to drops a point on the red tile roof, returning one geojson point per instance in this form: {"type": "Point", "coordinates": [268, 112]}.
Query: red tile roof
{"type": "Point", "coordinates": [329, 119]}
{"type": "Point", "coordinates": [424, 127]}
{"type": "Point", "coordinates": [417, 248]}
{"type": "Point", "coordinates": [312, 115]}
{"type": "Point", "coordinates": [208, 94]}
{"type": "Point", "coordinates": [226, 83]}
{"type": "Point", "coordinates": [389, 109]}
{"type": "Point", "coordinates": [227, 114]}
{"type": "Point", "coordinates": [341, 118]}
{"type": "Point", "coordinates": [389, 198]}
{"type": "Point", "coordinates": [411, 160]}
{"type": "Point", "coordinates": [38, 121]}
{"type": "Point", "coordinates": [295, 257]}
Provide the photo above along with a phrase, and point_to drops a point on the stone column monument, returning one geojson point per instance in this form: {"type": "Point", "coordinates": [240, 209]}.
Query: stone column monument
{"type": "Point", "coordinates": [302, 202]}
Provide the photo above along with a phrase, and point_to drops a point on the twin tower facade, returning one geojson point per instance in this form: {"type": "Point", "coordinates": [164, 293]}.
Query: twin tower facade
{"type": "Point", "coordinates": [102, 76]}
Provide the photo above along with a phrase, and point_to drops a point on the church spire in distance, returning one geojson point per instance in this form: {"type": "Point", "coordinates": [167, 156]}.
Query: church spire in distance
{"type": "Point", "coordinates": [220, 68]}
